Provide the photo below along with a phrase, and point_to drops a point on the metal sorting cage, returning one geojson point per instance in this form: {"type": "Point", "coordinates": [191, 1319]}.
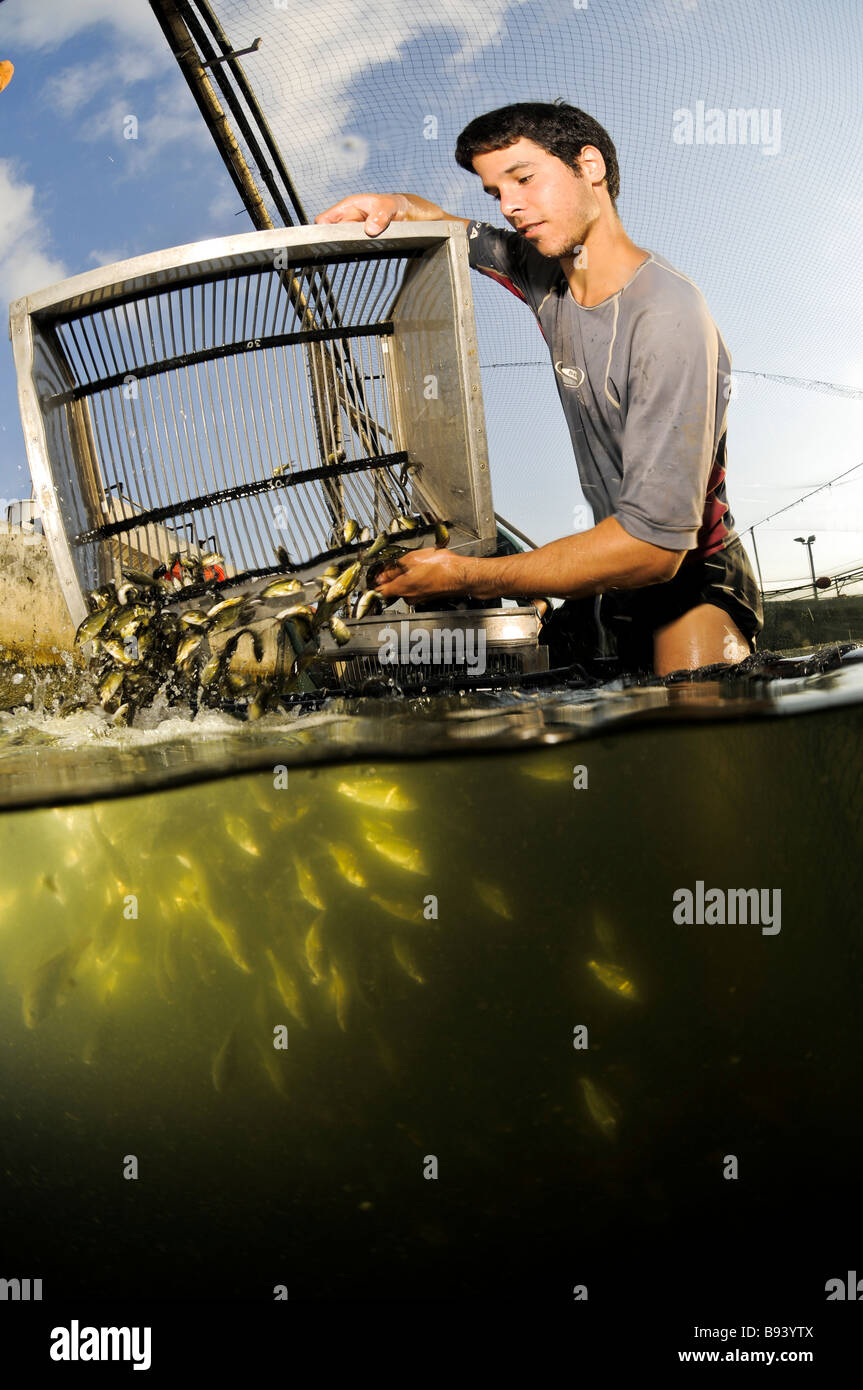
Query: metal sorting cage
{"type": "Point", "coordinates": [252, 393]}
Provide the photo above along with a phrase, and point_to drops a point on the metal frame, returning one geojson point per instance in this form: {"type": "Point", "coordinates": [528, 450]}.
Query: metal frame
{"type": "Point", "coordinates": [184, 265]}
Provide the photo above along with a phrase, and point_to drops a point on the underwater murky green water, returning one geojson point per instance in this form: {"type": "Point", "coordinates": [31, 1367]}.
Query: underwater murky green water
{"type": "Point", "coordinates": [507, 1068]}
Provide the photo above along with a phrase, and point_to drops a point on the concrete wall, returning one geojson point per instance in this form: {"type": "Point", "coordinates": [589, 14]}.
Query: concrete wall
{"type": "Point", "coordinates": [34, 621]}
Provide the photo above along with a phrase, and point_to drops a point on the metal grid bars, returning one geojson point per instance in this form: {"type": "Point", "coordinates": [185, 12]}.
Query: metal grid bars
{"type": "Point", "coordinates": [249, 404]}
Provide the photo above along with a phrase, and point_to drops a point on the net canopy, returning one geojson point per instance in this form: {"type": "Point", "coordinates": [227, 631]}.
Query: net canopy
{"type": "Point", "coordinates": [738, 137]}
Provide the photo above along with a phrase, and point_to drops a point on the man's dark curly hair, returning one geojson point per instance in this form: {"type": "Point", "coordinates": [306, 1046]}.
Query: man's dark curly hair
{"type": "Point", "coordinates": [560, 129]}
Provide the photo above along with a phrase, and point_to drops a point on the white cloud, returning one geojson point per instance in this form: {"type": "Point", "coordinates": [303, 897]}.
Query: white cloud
{"type": "Point", "coordinates": [109, 257]}
{"type": "Point", "coordinates": [49, 23]}
{"type": "Point", "coordinates": [224, 208]}
{"type": "Point", "coordinates": [159, 125]}
{"type": "Point", "coordinates": [25, 260]}
{"type": "Point", "coordinates": [75, 87]}
{"type": "Point", "coordinates": [340, 44]}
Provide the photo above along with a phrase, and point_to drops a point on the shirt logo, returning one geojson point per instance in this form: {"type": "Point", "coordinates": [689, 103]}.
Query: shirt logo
{"type": "Point", "coordinates": [572, 376]}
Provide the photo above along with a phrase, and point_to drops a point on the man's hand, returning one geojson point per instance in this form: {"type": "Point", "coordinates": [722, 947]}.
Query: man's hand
{"type": "Point", "coordinates": [424, 574]}
{"type": "Point", "coordinates": [376, 210]}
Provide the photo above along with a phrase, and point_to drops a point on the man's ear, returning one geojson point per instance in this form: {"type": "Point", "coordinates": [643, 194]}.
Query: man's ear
{"type": "Point", "coordinates": [592, 164]}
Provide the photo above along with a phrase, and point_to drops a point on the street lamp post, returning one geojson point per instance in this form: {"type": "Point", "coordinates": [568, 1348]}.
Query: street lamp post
{"type": "Point", "coordinates": [808, 543]}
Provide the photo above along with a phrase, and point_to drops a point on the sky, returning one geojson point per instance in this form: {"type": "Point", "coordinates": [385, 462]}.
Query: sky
{"type": "Point", "coordinates": [769, 231]}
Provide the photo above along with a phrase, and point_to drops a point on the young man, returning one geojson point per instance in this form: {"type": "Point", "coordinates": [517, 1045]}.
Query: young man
{"type": "Point", "coordinates": [642, 374]}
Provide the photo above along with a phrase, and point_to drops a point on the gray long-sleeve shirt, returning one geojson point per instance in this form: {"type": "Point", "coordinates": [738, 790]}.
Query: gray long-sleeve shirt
{"type": "Point", "coordinates": [643, 380]}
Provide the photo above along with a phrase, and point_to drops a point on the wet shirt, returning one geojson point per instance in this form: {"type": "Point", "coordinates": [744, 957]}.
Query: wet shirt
{"type": "Point", "coordinates": [642, 378]}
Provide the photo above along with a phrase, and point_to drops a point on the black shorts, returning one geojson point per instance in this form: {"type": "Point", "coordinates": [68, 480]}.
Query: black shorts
{"type": "Point", "coordinates": [629, 617]}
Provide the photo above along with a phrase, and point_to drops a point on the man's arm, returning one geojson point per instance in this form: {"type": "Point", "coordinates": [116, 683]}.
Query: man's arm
{"type": "Point", "coordinates": [378, 210]}
{"type": "Point", "coordinates": [606, 557]}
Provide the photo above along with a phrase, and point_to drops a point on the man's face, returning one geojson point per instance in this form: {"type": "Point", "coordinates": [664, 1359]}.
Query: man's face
{"type": "Point", "coordinates": [535, 187]}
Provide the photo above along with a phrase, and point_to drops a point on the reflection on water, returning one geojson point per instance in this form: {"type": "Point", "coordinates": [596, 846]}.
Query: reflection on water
{"type": "Point", "coordinates": [46, 757]}
{"type": "Point", "coordinates": [285, 991]}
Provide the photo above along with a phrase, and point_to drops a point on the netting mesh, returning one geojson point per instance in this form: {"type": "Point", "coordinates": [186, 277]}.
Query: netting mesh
{"type": "Point", "coordinates": [371, 98]}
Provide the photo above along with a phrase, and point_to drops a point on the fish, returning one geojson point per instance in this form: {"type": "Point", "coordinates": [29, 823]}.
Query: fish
{"type": "Point", "coordinates": [125, 624]}
{"type": "Point", "coordinates": [211, 669]}
{"type": "Point", "coordinates": [139, 577]}
{"type": "Point", "coordinates": [349, 530]}
{"type": "Point", "coordinates": [226, 605]}
{"type": "Point", "coordinates": [224, 1067]}
{"type": "Point", "coordinates": [406, 960]}
{"type": "Point", "coordinates": [92, 625]}
{"type": "Point", "coordinates": [294, 611]}
{"type": "Point", "coordinates": [109, 686]}
{"type": "Point", "coordinates": [288, 989]}
{"type": "Point", "coordinates": [188, 647]}
{"type": "Point", "coordinates": [377, 545]}
{"type": "Point", "coordinates": [228, 617]}
{"type": "Point", "coordinates": [369, 599]}
{"type": "Point", "coordinates": [340, 995]}
{"type": "Point", "coordinates": [345, 582]}
{"type": "Point", "coordinates": [307, 885]}
{"type": "Point", "coordinates": [126, 656]}
{"type": "Point", "coordinates": [348, 864]}
{"type": "Point", "coordinates": [240, 833]}
{"type": "Point", "coordinates": [601, 1107]}
{"type": "Point", "coordinates": [613, 978]}
{"type": "Point", "coordinates": [340, 632]}
{"type": "Point", "coordinates": [50, 983]}
{"type": "Point", "coordinates": [365, 535]}
{"type": "Point", "coordinates": [402, 908]}
{"type": "Point", "coordinates": [315, 953]}
{"type": "Point", "coordinates": [283, 588]}
{"type": "Point", "coordinates": [441, 535]}
{"type": "Point", "coordinates": [493, 897]}
{"type": "Point", "coordinates": [211, 558]}
{"type": "Point", "coordinates": [273, 1063]}
{"type": "Point", "coordinates": [230, 940]}
{"type": "Point", "coordinates": [195, 617]}
{"type": "Point", "coordinates": [547, 771]}
{"type": "Point", "coordinates": [402, 853]}
{"type": "Point", "coordinates": [374, 792]}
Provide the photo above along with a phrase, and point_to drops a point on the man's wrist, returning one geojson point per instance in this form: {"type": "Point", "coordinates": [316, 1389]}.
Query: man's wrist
{"type": "Point", "coordinates": [470, 579]}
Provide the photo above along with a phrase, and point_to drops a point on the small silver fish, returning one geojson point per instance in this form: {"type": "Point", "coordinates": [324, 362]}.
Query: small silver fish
{"type": "Point", "coordinates": [345, 582]}
{"type": "Point", "coordinates": [283, 588]}
{"type": "Point", "coordinates": [92, 626]}
{"type": "Point", "coordinates": [340, 631]}
{"type": "Point", "coordinates": [371, 599]}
